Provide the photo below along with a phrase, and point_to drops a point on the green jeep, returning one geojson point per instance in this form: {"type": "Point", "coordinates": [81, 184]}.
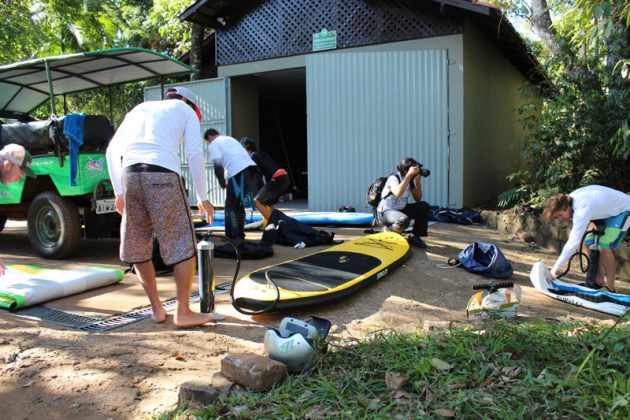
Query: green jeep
{"type": "Point", "coordinates": [60, 210]}
{"type": "Point", "coordinates": [72, 197]}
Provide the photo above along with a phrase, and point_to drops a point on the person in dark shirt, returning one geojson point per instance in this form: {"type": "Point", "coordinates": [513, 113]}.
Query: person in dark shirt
{"type": "Point", "coordinates": [276, 179]}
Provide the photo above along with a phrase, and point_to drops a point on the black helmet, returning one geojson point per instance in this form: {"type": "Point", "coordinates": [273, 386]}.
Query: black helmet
{"type": "Point", "coordinates": [248, 144]}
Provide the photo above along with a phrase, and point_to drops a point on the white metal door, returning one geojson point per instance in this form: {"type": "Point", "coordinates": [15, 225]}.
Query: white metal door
{"type": "Point", "coordinates": [212, 102]}
{"type": "Point", "coordinates": [367, 111]}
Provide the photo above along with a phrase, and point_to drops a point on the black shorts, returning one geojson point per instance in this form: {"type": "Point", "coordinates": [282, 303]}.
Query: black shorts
{"type": "Point", "coordinates": [272, 190]}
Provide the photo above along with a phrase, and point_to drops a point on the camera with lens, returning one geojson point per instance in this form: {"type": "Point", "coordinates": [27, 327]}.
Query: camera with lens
{"type": "Point", "coordinates": [423, 172]}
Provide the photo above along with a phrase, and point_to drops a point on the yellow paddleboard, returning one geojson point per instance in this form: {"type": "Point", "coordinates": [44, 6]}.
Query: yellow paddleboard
{"type": "Point", "coordinates": [321, 277]}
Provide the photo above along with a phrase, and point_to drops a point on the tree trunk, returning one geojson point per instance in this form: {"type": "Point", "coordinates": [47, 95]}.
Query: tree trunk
{"type": "Point", "coordinates": [196, 50]}
{"type": "Point", "coordinates": [542, 24]}
{"type": "Point", "coordinates": [541, 21]}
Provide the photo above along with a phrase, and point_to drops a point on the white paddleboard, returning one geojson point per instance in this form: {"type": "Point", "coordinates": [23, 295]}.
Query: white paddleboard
{"type": "Point", "coordinates": [25, 285]}
{"type": "Point", "coordinates": [600, 300]}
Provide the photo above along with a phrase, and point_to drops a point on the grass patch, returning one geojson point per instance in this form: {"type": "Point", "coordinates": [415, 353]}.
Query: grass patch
{"type": "Point", "coordinates": [509, 370]}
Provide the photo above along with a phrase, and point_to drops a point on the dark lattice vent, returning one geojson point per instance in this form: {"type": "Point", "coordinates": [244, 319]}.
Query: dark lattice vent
{"type": "Point", "coordinates": [280, 28]}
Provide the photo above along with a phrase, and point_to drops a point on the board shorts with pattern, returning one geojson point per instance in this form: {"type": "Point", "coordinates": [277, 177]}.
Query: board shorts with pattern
{"type": "Point", "coordinates": [155, 204]}
{"type": "Point", "coordinates": [614, 228]}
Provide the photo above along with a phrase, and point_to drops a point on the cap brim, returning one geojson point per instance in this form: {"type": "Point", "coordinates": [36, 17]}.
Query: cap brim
{"type": "Point", "coordinates": [197, 112]}
{"type": "Point", "coordinates": [29, 173]}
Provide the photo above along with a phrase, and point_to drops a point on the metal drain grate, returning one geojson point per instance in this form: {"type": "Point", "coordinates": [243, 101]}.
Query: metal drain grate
{"type": "Point", "coordinates": [57, 316]}
{"type": "Point", "coordinates": [223, 288]}
{"type": "Point", "coordinates": [131, 317]}
{"type": "Point", "coordinates": [117, 321]}
{"type": "Point", "coordinates": [97, 324]}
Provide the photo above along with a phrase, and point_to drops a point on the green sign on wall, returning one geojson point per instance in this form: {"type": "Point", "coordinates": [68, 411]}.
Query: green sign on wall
{"type": "Point", "coordinates": [325, 40]}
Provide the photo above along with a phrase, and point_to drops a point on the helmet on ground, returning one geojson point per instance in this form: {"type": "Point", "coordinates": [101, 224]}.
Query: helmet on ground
{"type": "Point", "coordinates": [297, 344]}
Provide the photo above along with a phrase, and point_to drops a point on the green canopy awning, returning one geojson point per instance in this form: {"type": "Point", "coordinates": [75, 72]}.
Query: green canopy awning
{"type": "Point", "coordinates": [26, 85]}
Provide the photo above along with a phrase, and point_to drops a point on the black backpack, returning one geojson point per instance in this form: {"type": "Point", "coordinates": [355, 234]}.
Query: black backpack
{"type": "Point", "coordinates": [373, 194]}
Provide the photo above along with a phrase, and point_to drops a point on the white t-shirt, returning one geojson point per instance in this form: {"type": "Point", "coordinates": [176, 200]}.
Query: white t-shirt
{"type": "Point", "coordinates": [230, 154]}
{"type": "Point", "coordinates": [594, 202]}
{"type": "Point", "coordinates": [389, 201]}
{"type": "Point", "coordinates": [151, 133]}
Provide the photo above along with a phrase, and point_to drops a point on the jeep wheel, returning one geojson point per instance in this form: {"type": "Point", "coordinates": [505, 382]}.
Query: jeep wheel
{"type": "Point", "coordinates": [54, 225]}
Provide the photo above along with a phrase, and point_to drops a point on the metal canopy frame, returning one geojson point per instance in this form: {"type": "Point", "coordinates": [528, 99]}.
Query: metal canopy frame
{"type": "Point", "coordinates": [26, 85]}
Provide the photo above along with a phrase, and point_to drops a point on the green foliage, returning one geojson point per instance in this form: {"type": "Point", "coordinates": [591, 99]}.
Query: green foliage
{"type": "Point", "coordinates": [19, 34]}
{"type": "Point", "coordinates": [39, 28]}
{"type": "Point", "coordinates": [51, 27]}
{"type": "Point", "coordinates": [576, 139]}
{"type": "Point", "coordinates": [170, 34]}
{"type": "Point", "coordinates": [506, 370]}
{"type": "Point", "coordinates": [578, 123]}
{"type": "Point", "coordinates": [591, 25]}
{"type": "Point", "coordinates": [511, 197]}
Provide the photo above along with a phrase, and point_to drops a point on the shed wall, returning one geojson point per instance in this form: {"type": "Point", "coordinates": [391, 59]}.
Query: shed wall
{"type": "Point", "coordinates": [493, 136]}
{"type": "Point", "coordinates": [366, 111]}
{"type": "Point", "coordinates": [452, 45]}
{"type": "Point", "coordinates": [245, 113]}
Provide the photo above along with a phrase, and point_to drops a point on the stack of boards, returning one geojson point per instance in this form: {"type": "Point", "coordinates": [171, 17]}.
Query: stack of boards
{"type": "Point", "coordinates": [600, 300]}
{"type": "Point", "coordinates": [253, 220]}
{"type": "Point", "coordinates": [321, 277]}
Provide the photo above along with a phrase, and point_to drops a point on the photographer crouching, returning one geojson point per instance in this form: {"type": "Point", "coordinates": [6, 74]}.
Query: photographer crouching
{"type": "Point", "coordinates": [394, 212]}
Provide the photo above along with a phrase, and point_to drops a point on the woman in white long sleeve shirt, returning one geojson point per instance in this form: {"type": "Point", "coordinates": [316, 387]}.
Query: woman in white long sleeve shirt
{"type": "Point", "coordinates": [605, 207]}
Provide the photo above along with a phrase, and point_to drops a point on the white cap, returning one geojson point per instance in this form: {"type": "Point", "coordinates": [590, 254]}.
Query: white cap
{"type": "Point", "coordinates": [18, 155]}
{"type": "Point", "coordinates": [186, 93]}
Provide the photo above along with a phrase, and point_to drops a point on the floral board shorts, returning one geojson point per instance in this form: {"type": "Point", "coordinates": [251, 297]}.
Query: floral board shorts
{"type": "Point", "coordinates": [155, 204]}
{"type": "Point", "coordinates": [614, 228]}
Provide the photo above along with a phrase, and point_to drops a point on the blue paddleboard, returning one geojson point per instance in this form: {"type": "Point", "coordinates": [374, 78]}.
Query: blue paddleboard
{"type": "Point", "coordinates": [309, 217]}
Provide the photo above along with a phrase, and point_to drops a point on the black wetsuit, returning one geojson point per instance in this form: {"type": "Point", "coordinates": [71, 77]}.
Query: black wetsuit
{"type": "Point", "coordinates": [276, 179]}
{"type": "Point", "coordinates": [265, 163]}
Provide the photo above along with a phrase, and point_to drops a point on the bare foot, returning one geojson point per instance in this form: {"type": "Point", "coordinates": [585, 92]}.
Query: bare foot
{"type": "Point", "coordinates": [159, 316]}
{"type": "Point", "coordinates": [193, 319]}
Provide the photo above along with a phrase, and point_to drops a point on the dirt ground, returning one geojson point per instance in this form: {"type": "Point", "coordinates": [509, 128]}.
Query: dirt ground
{"type": "Point", "coordinates": [52, 372]}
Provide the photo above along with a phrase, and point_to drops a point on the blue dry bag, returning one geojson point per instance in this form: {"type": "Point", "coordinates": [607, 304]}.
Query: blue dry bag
{"type": "Point", "coordinates": [485, 259]}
